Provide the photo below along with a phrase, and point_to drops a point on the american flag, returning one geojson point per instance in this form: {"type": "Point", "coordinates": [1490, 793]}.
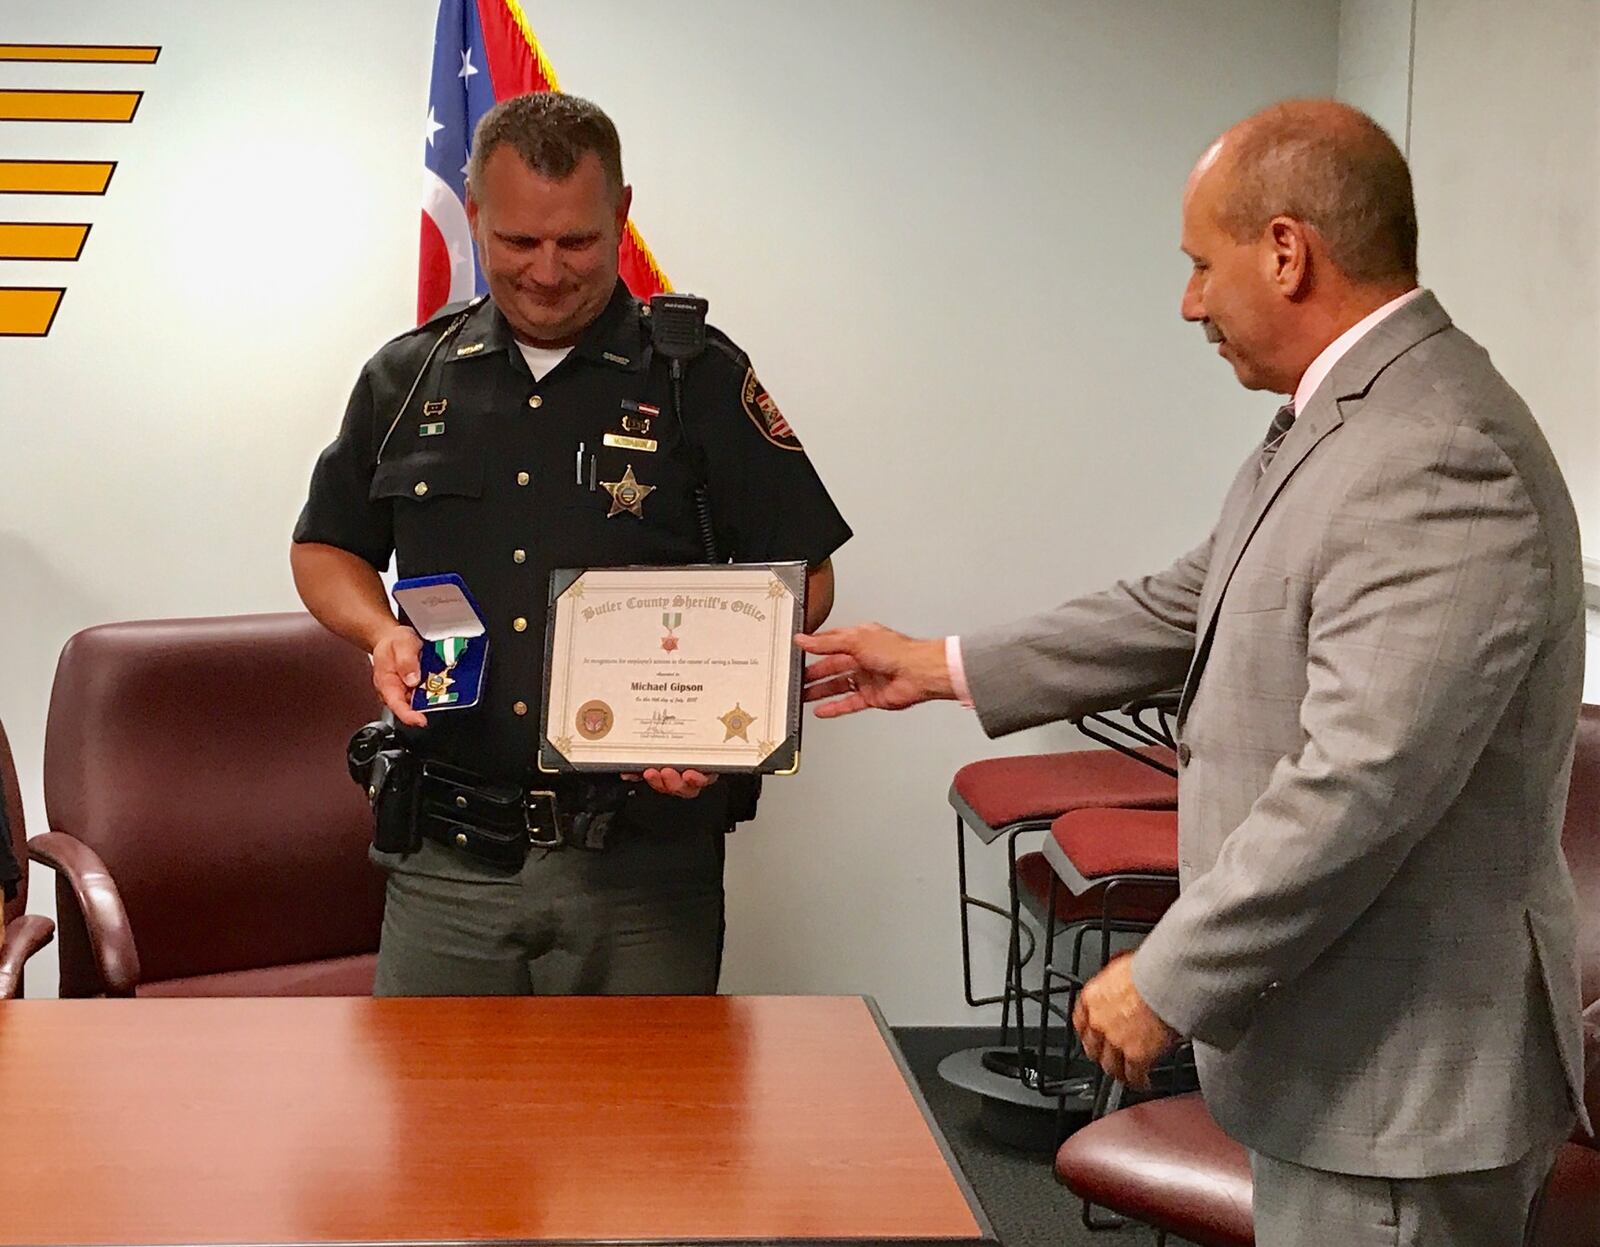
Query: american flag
{"type": "Point", "coordinates": [483, 51]}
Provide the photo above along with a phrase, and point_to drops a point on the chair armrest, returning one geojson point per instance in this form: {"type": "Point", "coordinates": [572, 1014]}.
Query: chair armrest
{"type": "Point", "coordinates": [105, 919]}
{"type": "Point", "coordinates": [24, 937]}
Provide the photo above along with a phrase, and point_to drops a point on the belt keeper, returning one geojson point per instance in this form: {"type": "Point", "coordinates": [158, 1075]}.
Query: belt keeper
{"type": "Point", "coordinates": [542, 820]}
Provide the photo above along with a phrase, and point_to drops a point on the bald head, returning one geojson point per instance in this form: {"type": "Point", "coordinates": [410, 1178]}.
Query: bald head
{"type": "Point", "coordinates": [1329, 166]}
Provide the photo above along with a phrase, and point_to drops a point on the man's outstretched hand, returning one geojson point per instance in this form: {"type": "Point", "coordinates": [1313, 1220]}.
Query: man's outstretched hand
{"type": "Point", "coordinates": [872, 667]}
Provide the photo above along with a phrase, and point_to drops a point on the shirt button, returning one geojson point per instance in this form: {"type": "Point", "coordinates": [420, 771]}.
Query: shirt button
{"type": "Point", "coordinates": [519, 556]}
{"type": "Point", "coordinates": [1184, 754]}
{"type": "Point", "coordinates": [522, 478]}
{"type": "Point", "coordinates": [520, 624]}
{"type": "Point", "coordinates": [420, 488]}
{"type": "Point", "coordinates": [519, 708]}
{"type": "Point", "coordinates": [536, 402]}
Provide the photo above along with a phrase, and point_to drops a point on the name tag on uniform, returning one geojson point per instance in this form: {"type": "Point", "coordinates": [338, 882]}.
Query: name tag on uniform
{"type": "Point", "coordinates": [646, 444]}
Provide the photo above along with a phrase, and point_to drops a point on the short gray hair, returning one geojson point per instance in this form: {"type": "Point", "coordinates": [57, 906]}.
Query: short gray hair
{"type": "Point", "coordinates": [1332, 167]}
{"type": "Point", "coordinates": [552, 132]}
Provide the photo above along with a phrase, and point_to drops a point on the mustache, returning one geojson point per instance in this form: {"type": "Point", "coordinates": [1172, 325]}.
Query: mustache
{"type": "Point", "coordinates": [1213, 334]}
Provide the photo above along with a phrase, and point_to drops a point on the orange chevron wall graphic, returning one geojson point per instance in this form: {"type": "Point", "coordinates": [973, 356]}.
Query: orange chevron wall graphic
{"type": "Point", "coordinates": [30, 311]}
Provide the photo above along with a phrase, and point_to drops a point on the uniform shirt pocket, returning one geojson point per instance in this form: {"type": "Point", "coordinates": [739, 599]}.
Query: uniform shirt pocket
{"type": "Point", "coordinates": [428, 475]}
{"type": "Point", "coordinates": [437, 509]}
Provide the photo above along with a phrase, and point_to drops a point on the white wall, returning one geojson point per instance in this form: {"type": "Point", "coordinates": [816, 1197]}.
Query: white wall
{"type": "Point", "coordinates": [1502, 108]}
{"type": "Point", "coordinates": [1375, 62]}
{"type": "Point", "coordinates": [1505, 154]}
{"type": "Point", "coordinates": [947, 233]}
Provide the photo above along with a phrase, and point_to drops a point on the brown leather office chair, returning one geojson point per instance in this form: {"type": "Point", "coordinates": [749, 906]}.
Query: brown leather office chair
{"type": "Point", "coordinates": [1168, 1164]}
{"type": "Point", "coordinates": [25, 933]}
{"type": "Point", "coordinates": [207, 838]}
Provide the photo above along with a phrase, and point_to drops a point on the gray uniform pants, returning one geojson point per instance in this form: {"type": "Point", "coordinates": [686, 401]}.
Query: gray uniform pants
{"type": "Point", "coordinates": [1296, 1206]}
{"type": "Point", "coordinates": [642, 917]}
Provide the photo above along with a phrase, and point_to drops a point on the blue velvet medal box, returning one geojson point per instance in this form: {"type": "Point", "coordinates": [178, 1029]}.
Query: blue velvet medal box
{"type": "Point", "coordinates": [455, 644]}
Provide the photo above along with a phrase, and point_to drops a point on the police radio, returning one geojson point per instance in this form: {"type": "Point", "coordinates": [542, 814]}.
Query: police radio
{"type": "Point", "coordinates": [678, 331]}
{"type": "Point", "coordinates": [678, 326]}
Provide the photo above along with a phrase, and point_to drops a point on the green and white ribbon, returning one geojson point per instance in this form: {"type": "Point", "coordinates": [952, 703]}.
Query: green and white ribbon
{"type": "Point", "coordinates": [450, 649]}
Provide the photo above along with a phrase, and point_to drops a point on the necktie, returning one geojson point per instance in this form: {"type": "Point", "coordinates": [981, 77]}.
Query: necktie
{"type": "Point", "coordinates": [1282, 422]}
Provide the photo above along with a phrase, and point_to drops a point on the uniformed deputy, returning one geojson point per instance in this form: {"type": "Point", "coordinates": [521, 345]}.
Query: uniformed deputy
{"type": "Point", "coordinates": [535, 430]}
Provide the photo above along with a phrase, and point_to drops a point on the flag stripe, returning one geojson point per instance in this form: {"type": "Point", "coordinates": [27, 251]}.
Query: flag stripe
{"type": "Point", "coordinates": [516, 62]}
{"type": "Point", "coordinates": [545, 71]}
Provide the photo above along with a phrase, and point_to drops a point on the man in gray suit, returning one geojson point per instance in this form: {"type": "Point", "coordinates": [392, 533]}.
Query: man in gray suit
{"type": "Point", "coordinates": [1381, 649]}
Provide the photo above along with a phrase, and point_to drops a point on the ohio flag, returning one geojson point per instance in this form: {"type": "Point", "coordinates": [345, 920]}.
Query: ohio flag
{"type": "Point", "coordinates": [483, 51]}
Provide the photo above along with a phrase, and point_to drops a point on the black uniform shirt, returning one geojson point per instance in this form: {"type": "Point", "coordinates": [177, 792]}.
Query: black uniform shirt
{"type": "Point", "coordinates": [501, 493]}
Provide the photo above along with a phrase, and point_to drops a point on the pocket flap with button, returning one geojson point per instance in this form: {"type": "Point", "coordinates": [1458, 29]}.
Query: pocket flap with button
{"type": "Point", "coordinates": [421, 477]}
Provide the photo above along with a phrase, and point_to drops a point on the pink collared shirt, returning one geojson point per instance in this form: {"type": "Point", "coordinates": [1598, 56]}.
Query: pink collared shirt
{"type": "Point", "coordinates": [1313, 377]}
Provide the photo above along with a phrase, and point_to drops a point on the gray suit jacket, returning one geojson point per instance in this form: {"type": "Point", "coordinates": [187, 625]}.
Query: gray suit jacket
{"type": "Point", "coordinates": [1381, 649]}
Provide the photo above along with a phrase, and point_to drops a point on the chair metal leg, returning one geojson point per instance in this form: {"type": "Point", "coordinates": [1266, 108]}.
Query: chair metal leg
{"type": "Point", "coordinates": [1111, 1222]}
{"type": "Point", "coordinates": [1017, 955]}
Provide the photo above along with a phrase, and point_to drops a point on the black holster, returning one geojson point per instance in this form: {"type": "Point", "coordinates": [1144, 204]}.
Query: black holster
{"type": "Point", "coordinates": [391, 776]}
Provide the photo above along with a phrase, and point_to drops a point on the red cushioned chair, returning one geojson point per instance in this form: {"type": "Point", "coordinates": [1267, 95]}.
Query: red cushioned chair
{"type": "Point", "coordinates": [1118, 870]}
{"type": "Point", "coordinates": [207, 838]}
{"type": "Point", "coordinates": [1167, 1163]}
{"type": "Point", "coordinates": [25, 933]}
{"type": "Point", "coordinates": [1016, 795]}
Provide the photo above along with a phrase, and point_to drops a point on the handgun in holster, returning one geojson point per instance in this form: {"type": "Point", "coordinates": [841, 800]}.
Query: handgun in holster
{"type": "Point", "coordinates": [391, 776]}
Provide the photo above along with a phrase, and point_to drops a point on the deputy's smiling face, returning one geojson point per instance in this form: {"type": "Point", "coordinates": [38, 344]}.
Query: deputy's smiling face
{"type": "Point", "coordinates": [547, 248]}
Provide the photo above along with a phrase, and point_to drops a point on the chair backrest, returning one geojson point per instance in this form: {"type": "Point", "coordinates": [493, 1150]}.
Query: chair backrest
{"type": "Point", "coordinates": [11, 797]}
{"type": "Point", "coordinates": [1580, 840]}
{"type": "Point", "coordinates": [203, 760]}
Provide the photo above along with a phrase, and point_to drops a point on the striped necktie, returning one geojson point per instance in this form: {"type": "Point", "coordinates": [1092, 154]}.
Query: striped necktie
{"type": "Point", "coordinates": [1282, 422]}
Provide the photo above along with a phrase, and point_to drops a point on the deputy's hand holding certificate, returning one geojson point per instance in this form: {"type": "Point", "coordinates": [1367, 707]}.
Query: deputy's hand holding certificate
{"type": "Point", "coordinates": [690, 667]}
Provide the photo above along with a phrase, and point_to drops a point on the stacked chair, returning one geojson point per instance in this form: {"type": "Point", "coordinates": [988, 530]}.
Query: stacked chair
{"type": "Point", "coordinates": [1168, 1164]}
{"type": "Point", "coordinates": [1013, 796]}
{"type": "Point", "coordinates": [25, 933]}
{"type": "Point", "coordinates": [206, 836]}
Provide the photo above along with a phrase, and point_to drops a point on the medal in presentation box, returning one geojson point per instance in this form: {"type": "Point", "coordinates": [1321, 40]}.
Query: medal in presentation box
{"type": "Point", "coordinates": [455, 644]}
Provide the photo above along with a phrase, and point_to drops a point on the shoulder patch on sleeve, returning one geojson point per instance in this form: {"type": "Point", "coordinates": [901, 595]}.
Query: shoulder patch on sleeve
{"type": "Point", "coordinates": [764, 413]}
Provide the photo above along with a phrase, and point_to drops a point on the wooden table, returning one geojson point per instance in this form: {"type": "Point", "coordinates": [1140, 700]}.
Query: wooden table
{"type": "Point", "coordinates": [700, 1119]}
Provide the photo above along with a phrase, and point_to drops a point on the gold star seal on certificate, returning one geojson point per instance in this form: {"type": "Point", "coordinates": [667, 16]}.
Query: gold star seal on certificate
{"type": "Point", "coordinates": [738, 721]}
{"type": "Point", "coordinates": [627, 494]}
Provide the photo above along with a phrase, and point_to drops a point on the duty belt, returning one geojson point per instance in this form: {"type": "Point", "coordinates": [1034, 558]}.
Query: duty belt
{"type": "Point", "coordinates": [501, 821]}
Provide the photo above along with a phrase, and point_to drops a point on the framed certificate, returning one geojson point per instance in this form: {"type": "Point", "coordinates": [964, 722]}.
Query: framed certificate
{"type": "Point", "coordinates": [674, 666]}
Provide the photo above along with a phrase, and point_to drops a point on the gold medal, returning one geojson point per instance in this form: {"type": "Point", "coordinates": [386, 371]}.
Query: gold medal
{"type": "Point", "coordinates": [436, 684]}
